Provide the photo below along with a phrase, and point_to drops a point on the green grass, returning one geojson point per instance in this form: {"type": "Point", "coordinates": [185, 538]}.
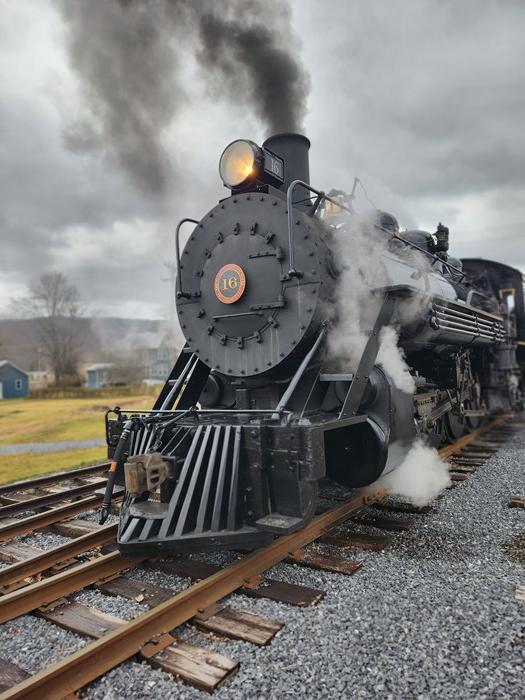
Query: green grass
{"type": "Point", "coordinates": [22, 466]}
{"type": "Point", "coordinates": [51, 420]}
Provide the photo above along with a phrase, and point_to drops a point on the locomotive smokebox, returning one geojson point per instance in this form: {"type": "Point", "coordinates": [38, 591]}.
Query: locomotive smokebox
{"type": "Point", "coordinates": [293, 149]}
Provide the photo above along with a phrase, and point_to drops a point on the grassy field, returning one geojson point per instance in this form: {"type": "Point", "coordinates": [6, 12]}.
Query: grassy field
{"type": "Point", "coordinates": [54, 420]}
{"type": "Point", "coordinates": [22, 466]}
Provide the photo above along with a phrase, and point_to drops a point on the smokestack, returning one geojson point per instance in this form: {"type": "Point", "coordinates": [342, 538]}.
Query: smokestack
{"type": "Point", "coordinates": [293, 149]}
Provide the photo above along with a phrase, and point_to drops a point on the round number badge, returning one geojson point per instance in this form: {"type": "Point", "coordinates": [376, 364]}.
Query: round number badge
{"type": "Point", "coordinates": [230, 283]}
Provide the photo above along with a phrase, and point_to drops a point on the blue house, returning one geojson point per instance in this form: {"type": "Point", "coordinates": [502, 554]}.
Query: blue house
{"type": "Point", "coordinates": [14, 382]}
{"type": "Point", "coordinates": [99, 375]}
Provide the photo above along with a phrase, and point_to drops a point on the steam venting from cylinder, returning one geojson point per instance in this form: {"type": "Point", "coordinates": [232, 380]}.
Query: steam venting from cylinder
{"type": "Point", "coordinates": [130, 57]}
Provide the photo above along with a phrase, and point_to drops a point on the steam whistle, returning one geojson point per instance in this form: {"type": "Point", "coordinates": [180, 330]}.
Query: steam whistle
{"type": "Point", "coordinates": [118, 458]}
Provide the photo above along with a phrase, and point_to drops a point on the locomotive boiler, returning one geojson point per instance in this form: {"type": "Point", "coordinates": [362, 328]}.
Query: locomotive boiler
{"type": "Point", "coordinates": [258, 409]}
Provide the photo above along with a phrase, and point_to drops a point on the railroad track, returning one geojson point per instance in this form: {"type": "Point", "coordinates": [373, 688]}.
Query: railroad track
{"type": "Point", "coordinates": [41, 583]}
{"type": "Point", "coordinates": [53, 478]}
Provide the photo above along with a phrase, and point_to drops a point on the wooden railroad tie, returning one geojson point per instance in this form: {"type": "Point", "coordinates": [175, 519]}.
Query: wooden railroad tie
{"type": "Point", "coordinates": [347, 540]}
{"type": "Point", "coordinates": [220, 619]}
{"type": "Point", "coordinates": [199, 667]}
{"type": "Point", "coordinates": [324, 562]}
{"type": "Point", "coordinates": [279, 591]}
{"type": "Point", "coordinates": [402, 507]}
{"type": "Point", "coordinates": [193, 664]}
{"type": "Point", "coordinates": [384, 523]}
{"type": "Point", "coordinates": [519, 593]}
{"type": "Point", "coordinates": [462, 469]}
{"type": "Point", "coordinates": [74, 527]}
{"type": "Point", "coordinates": [456, 476]}
{"type": "Point", "coordinates": [517, 502]}
{"type": "Point", "coordinates": [10, 675]}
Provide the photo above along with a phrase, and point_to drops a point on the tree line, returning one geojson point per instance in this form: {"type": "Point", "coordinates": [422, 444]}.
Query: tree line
{"type": "Point", "coordinates": [53, 304]}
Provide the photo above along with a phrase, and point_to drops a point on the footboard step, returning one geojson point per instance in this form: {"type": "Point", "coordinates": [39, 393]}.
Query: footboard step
{"type": "Point", "coordinates": [194, 665]}
{"type": "Point", "coordinates": [82, 619]}
{"type": "Point", "coordinates": [238, 624]}
{"type": "Point", "coordinates": [10, 675]}
{"type": "Point", "coordinates": [374, 543]}
{"type": "Point", "coordinates": [313, 560]}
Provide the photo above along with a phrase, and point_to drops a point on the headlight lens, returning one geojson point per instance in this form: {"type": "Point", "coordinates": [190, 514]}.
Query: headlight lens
{"type": "Point", "coordinates": [239, 163]}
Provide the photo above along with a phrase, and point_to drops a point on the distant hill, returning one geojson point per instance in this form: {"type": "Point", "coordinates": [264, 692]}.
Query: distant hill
{"type": "Point", "coordinates": [98, 337]}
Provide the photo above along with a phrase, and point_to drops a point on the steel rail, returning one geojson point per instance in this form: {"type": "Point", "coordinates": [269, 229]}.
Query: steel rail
{"type": "Point", "coordinates": [48, 517]}
{"type": "Point", "coordinates": [23, 600]}
{"type": "Point", "coordinates": [55, 476]}
{"type": "Point", "coordinates": [44, 561]}
{"type": "Point", "coordinates": [50, 498]}
{"type": "Point", "coordinates": [78, 669]}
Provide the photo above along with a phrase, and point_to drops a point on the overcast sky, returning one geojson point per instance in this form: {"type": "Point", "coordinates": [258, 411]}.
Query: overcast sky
{"type": "Point", "coordinates": [423, 100]}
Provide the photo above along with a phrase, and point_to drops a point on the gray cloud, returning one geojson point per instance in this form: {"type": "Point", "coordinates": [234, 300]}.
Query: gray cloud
{"type": "Point", "coordinates": [421, 99]}
{"type": "Point", "coordinates": [424, 94]}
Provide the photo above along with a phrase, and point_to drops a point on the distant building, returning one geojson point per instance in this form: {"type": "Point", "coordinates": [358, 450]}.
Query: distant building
{"type": "Point", "coordinates": [99, 375]}
{"type": "Point", "coordinates": [158, 355]}
{"type": "Point", "coordinates": [40, 379]}
{"type": "Point", "coordinates": [14, 382]}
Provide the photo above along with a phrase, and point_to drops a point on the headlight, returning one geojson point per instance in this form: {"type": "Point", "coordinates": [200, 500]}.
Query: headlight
{"type": "Point", "coordinates": [240, 163]}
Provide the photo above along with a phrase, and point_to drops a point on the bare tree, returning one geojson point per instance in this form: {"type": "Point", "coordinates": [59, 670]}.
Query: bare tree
{"type": "Point", "coordinates": [53, 303]}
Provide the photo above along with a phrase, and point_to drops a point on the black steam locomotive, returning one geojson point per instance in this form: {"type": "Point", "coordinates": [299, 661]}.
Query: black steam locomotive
{"type": "Point", "coordinates": [258, 409]}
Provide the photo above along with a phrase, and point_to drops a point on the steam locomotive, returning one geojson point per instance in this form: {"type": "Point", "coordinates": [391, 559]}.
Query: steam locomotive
{"type": "Point", "coordinates": [258, 409]}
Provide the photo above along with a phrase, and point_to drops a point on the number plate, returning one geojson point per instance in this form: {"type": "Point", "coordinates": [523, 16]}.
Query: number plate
{"type": "Point", "coordinates": [230, 283]}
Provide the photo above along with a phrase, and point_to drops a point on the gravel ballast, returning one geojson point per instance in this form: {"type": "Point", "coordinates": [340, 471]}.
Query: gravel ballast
{"type": "Point", "coordinates": [432, 616]}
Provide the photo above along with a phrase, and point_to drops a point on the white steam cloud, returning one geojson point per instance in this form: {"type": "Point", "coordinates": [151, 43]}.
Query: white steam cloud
{"type": "Point", "coordinates": [421, 477]}
{"type": "Point", "coordinates": [358, 251]}
{"type": "Point", "coordinates": [391, 358]}
{"type": "Point", "coordinates": [360, 246]}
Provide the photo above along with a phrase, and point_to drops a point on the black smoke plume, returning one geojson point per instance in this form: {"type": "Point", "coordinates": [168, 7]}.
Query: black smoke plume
{"type": "Point", "coordinates": [252, 52]}
{"type": "Point", "coordinates": [129, 56]}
